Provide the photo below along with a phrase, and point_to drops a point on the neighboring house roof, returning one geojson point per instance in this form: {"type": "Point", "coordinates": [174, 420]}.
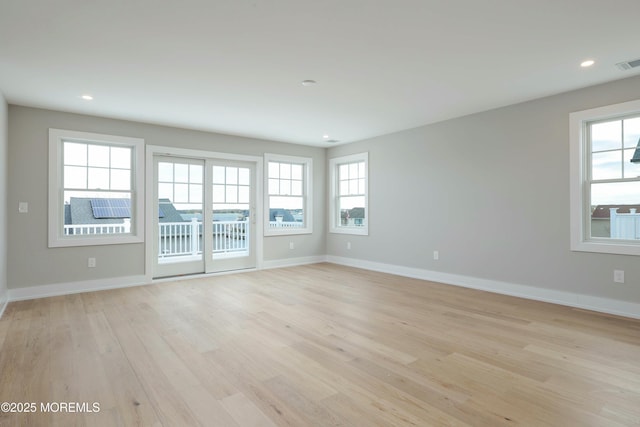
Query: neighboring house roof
{"type": "Point", "coordinates": [284, 213]}
{"type": "Point", "coordinates": [603, 212]}
{"type": "Point", "coordinates": [79, 211]}
{"type": "Point", "coordinates": [636, 154]}
{"type": "Point", "coordinates": [356, 213]}
{"type": "Point", "coordinates": [170, 212]}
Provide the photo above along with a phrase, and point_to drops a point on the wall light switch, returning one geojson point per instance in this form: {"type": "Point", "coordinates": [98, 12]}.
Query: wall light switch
{"type": "Point", "coordinates": [618, 276]}
{"type": "Point", "coordinates": [23, 207]}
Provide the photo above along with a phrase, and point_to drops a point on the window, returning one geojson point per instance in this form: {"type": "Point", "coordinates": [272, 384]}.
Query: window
{"type": "Point", "coordinates": [95, 189]}
{"type": "Point", "coordinates": [605, 179]}
{"type": "Point", "coordinates": [288, 196]}
{"type": "Point", "coordinates": [349, 194]}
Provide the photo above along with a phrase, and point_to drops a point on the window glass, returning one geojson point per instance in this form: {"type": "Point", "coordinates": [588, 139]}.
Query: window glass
{"type": "Point", "coordinates": [94, 198]}
{"type": "Point", "coordinates": [349, 210]}
{"type": "Point", "coordinates": [287, 197]}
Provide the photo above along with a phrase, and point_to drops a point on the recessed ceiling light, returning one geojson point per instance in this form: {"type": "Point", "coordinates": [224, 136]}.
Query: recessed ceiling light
{"type": "Point", "coordinates": [308, 82]}
{"type": "Point", "coordinates": [87, 97]}
{"type": "Point", "coordinates": [325, 136]}
{"type": "Point", "coordinates": [587, 63]}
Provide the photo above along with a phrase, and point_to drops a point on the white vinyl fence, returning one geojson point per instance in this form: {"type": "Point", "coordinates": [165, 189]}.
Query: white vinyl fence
{"type": "Point", "coordinates": [625, 225]}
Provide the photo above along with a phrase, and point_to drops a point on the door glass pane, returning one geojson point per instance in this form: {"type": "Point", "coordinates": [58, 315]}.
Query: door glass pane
{"type": "Point", "coordinates": [195, 193]}
{"type": "Point", "coordinates": [165, 172]}
{"type": "Point", "coordinates": [165, 191]}
{"type": "Point", "coordinates": [232, 175]}
{"type": "Point", "coordinates": [232, 193]}
{"type": "Point", "coordinates": [180, 195]}
{"type": "Point", "coordinates": [231, 211]}
{"type": "Point", "coordinates": [181, 173]}
{"type": "Point", "coordinates": [218, 175]}
{"type": "Point", "coordinates": [195, 174]}
{"type": "Point", "coordinates": [243, 194]}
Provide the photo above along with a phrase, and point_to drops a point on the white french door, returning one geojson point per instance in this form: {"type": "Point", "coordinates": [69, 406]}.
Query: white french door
{"type": "Point", "coordinates": [232, 203]}
{"type": "Point", "coordinates": [204, 215]}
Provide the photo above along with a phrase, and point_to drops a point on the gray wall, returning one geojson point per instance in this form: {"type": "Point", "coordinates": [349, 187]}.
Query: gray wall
{"type": "Point", "coordinates": [32, 263]}
{"type": "Point", "coordinates": [4, 125]}
{"type": "Point", "coordinates": [490, 191]}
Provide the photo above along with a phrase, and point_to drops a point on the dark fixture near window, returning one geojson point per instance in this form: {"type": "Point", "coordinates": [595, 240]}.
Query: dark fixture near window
{"type": "Point", "coordinates": [636, 154]}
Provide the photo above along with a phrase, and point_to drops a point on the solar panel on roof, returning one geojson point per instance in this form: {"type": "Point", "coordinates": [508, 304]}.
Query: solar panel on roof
{"type": "Point", "coordinates": [111, 208]}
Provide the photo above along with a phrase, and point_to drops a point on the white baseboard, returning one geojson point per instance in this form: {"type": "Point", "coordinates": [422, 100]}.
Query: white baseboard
{"type": "Point", "coordinates": [603, 305]}
{"type": "Point", "coordinates": [3, 306]}
{"type": "Point", "coordinates": [57, 289]}
{"type": "Point", "coordinates": [292, 262]}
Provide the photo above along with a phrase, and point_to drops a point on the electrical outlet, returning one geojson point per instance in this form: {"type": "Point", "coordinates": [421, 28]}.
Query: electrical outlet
{"type": "Point", "coordinates": [348, 246]}
{"type": "Point", "coordinates": [292, 245]}
{"type": "Point", "coordinates": [23, 207]}
{"type": "Point", "coordinates": [91, 262]}
{"type": "Point", "coordinates": [618, 276]}
{"type": "Point", "coordinates": [436, 255]}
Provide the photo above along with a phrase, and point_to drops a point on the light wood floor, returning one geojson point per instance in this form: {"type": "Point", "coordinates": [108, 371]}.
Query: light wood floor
{"type": "Point", "coordinates": [319, 345]}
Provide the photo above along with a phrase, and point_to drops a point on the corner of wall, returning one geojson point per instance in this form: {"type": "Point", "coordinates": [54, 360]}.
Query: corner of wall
{"type": "Point", "coordinates": [4, 163]}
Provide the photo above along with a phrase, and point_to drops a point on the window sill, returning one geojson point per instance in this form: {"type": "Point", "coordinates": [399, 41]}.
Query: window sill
{"type": "Point", "coordinates": [619, 247]}
{"type": "Point", "coordinates": [360, 231]}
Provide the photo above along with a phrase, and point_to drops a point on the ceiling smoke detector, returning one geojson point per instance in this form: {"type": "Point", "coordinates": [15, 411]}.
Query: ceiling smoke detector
{"type": "Point", "coordinates": [628, 65]}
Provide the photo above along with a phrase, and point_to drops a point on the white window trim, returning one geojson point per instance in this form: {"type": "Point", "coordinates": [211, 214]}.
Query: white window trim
{"type": "Point", "coordinates": [307, 195]}
{"type": "Point", "coordinates": [579, 212]}
{"type": "Point", "coordinates": [334, 226]}
{"type": "Point", "coordinates": [56, 186]}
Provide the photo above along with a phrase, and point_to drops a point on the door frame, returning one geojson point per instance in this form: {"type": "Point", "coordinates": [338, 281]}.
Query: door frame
{"type": "Point", "coordinates": [154, 150]}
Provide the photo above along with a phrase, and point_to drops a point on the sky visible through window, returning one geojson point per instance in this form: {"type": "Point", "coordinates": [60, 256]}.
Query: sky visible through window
{"type": "Point", "coordinates": [613, 144]}
{"type": "Point", "coordinates": [96, 171]}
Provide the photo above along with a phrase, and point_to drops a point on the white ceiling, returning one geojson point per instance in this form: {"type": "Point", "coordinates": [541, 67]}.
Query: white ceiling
{"type": "Point", "coordinates": [236, 66]}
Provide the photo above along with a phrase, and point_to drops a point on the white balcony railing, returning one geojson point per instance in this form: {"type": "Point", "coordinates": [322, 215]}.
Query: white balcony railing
{"type": "Point", "coordinates": [185, 238]}
{"type": "Point", "coordinates": [285, 224]}
{"type": "Point", "coordinates": [624, 225]}
{"type": "Point", "coordinates": [179, 239]}
{"type": "Point", "coordinates": [81, 229]}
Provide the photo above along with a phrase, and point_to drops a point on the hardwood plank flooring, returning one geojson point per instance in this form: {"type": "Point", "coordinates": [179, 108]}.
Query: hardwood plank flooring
{"type": "Point", "coordinates": [316, 345]}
